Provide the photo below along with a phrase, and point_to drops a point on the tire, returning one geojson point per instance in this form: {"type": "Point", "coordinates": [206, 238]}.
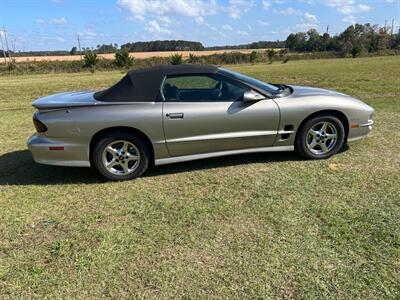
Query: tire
{"type": "Point", "coordinates": [121, 156]}
{"type": "Point", "coordinates": [320, 137]}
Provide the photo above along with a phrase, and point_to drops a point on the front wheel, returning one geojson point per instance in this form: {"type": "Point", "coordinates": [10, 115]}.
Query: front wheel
{"type": "Point", "coordinates": [120, 156]}
{"type": "Point", "coordinates": [320, 137]}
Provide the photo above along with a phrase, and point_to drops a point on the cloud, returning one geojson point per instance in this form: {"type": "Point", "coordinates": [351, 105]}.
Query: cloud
{"type": "Point", "coordinates": [348, 7]}
{"type": "Point", "coordinates": [198, 9]}
{"type": "Point", "coordinates": [288, 11]}
{"type": "Point", "coordinates": [349, 19]}
{"type": "Point", "coordinates": [89, 34]}
{"type": "Point", "coordinates": [237, 7]}
{"type": "Point", "coordinates": [199, 20]}
{"type": "Point", "coordinates": [242, 33]}
{"type": "Point", "coordinates": [213, 28]}
{"type": "Point", "coordinates": [58, 21]}
{"type": "Point", "coordinates": [165, 20]}
{"type": "Point", "coordinates": [60, 39]}
{"type": "Point", "coordinates": [55, 21]}
{"type": "Point", "coordinates": [307, 21]}
{"type": "Point", "coordinates": [310, 18]}
{"type": "Point", "coordinates": [266, 4]}
{"type": "Point", "coordinates": [338, 3]}
{"type": "Point", "coordinates": [226, 27]}
{"type": "Point", "coordinates": [352, 9]}
{"type": "Point", "coordinates": [306, 26]}
{"type": "Point", "coordinates": [154, 27]}
{"type": "Point", "coordinates": [262, 23]}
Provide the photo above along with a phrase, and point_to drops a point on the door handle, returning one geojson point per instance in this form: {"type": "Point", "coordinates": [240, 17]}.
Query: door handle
{"type": "Point", "coordinates": [175, 115]}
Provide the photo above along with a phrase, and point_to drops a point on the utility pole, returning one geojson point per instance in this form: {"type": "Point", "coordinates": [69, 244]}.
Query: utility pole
{"type": "Point", "coordinates": [391, 29]}
{"type": "Point", "coordinates": [327, 32]}
{"type": "Point", "coordinates": [2, 46]}
{"type": "Point", "coordinates": [79, 46]}
{"type": "Point", "coordinates": [5, 38]}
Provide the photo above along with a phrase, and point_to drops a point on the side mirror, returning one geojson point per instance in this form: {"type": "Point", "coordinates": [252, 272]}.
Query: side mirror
{"type": "Point", "coordinates": [252, 96]}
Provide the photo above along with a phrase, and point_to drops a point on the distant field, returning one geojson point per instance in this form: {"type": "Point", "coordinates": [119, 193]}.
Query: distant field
{"type": "Point", "coordinates": [262, 226]}
{"type": "Point", "coordinates": [134, 54]}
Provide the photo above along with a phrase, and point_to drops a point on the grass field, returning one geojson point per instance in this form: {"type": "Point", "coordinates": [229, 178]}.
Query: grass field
{"type": "Point", "coordinates": [253, 226]}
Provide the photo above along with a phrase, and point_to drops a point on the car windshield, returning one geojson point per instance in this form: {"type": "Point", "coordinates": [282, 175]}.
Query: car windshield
{"type": "Point", "coordinates": [269, 88]}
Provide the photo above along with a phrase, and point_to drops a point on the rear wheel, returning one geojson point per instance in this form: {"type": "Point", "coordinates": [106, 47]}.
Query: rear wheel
{"type": "Point", "coordinates": [121, 156]}
{"type": "Point", "coordinates": [320, 137]}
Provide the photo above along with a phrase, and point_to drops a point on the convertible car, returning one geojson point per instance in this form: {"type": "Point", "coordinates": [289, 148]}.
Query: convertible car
{"type": "Point", "coordinates": [170, 114]}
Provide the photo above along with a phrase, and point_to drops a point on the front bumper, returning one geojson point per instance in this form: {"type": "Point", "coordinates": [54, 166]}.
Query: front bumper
{"type": "Point", "coordinates": [361, 131]}
{"type": "Point", "coordinates": [73, 153]}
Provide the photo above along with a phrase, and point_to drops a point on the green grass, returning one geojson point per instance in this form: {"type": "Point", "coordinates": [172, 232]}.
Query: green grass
{"type": "Point", "coordinates": [252, 226]}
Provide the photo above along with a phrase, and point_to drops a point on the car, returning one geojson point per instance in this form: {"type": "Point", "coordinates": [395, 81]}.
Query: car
{"type": "Point", "coordinates": [174, 113]}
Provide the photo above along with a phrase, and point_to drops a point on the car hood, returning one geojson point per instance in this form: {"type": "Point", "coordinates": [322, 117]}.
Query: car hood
{"type": "Point", "coordinates": [305, 91]}
{"type": "Point", "coordinates": [326, 97]}
{"type": "Point", "coordinates": [68, 99]}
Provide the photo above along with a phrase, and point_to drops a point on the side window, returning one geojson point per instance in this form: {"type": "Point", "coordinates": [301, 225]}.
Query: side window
{"type": "Point", "coordinates": [201, 88]}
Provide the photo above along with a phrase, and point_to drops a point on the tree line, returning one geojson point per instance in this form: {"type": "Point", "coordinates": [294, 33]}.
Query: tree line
{"type": "Point", "coordinates": [354, 40]}
{"type": "Point", "coordinates": [168, 45]}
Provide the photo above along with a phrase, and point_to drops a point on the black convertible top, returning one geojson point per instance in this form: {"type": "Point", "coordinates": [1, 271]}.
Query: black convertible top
{"type": "Point", "coordinates": [143, 85]}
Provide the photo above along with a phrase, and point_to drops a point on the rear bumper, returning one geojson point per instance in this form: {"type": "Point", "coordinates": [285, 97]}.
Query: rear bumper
{"type": "Point", "coordinates": [68, 153]}
{"type": "Point", "coordinates": [360, 132]}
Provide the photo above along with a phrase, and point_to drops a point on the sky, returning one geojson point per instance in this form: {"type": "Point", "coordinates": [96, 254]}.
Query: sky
{"type": "Point", "coordinates": [55, 24]}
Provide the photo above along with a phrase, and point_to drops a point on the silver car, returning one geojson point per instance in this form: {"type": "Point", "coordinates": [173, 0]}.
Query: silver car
{"type": "Point", "coordinates": [170, 114]}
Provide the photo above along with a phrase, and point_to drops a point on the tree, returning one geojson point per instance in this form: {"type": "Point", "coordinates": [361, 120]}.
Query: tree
{"type": "Point", "coordinates": [290, 42]}
{"type": "Point", "coordinates": [271, 55]}
{"type": "Point", "coordinates": [357, 50]}
{"type": "Point", "coordinates": [74, 51]}
{"type": "Point", "coordinates": [123, 59]}
{"type": "Point", "coordinates": [253, 56]}
{"type": "Point", "coordinates": [383, 39]}
{"type": "Point", "coordinates": [90, 59]}
{"type": "Point", "coordinates": [346, 40]}
{"type": "Point", "coordinates": [106, 48]}
{"type": "Point", "coordinates": [326, 42]}
{"type": "Point", "coordinates": [176, 59]}
{"type": "Point", "coordinates": [299, 41]}
{"type": "Point", "coordinates": [193, 59]}
{"type": "Point", "coordinates": [313, 41]}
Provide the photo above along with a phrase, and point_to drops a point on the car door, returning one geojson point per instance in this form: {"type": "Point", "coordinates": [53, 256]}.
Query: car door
{"type": "Point", "coordinates": [204, 113]}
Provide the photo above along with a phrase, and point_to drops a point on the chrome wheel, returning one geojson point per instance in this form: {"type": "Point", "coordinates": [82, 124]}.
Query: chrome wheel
{"type": "Point", "coordinates": [322, 138]}
{"type": "Point", "coordinates": [121, 157]}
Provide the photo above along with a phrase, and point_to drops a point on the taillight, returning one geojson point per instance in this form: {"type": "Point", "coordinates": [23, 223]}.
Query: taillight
{"type": "Point", "coordinates": [40, 127]}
